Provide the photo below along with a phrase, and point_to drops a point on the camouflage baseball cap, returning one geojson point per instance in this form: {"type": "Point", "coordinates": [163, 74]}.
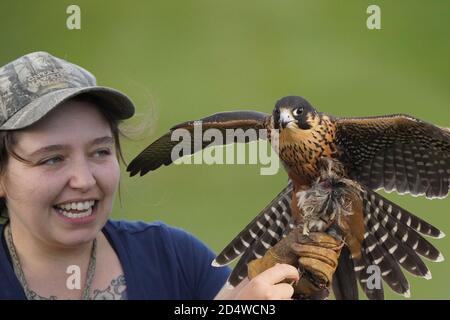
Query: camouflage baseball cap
{"type": "Point", "coordinates": [36, 83]}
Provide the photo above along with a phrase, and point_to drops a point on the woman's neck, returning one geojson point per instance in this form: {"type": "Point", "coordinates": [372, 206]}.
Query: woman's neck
{"type": "Point", "coordinates": [35, 248]}
{"type": "Point", "coordinates": [44, 268]}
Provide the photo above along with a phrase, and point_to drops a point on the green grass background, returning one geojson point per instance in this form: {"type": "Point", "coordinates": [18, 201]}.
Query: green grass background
{"type": "Point", "coordinates": [181, 60]}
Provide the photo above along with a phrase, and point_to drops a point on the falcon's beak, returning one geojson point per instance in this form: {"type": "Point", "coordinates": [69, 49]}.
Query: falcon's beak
{"type": "Point", "coordinates": [286, 118]}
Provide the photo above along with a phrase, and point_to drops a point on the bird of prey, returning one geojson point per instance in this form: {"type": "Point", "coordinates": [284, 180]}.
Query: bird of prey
{"type": "Point", "coordinates": [393, 152]}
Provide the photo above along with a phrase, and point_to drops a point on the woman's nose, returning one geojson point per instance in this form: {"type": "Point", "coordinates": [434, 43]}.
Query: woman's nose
{"type": "Point", "coordinates": [82, 176]}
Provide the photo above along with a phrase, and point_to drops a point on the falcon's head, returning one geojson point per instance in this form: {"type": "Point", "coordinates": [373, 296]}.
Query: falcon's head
{"type": "Point", "coordinates": [293, 112]}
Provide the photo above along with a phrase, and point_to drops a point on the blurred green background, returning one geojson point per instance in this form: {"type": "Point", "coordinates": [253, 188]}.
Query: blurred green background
{"type": "Point", "coordinates": [181, 60]}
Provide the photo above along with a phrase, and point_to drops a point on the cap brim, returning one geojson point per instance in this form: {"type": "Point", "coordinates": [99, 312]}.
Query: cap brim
{"type": "Point", "coordinates": [120, 106]}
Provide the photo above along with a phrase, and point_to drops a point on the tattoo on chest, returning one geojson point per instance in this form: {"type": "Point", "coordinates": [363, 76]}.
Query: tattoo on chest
{"type": "Point", "coordinates": [35, 296]}
{"type": "Point", "coordinates": [115, 291]}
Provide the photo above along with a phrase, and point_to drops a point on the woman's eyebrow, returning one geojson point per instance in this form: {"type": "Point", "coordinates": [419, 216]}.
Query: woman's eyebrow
{"type": "Point", "coordinates": [59, 147]}
{"type": "Point", "coordinates": [47, 149]}
{"type": "Point", "coordinates": [103, 140]}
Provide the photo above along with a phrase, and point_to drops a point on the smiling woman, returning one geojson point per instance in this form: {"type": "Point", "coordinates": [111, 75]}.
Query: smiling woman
{"type": "Point", "coordinates": [59, 173]}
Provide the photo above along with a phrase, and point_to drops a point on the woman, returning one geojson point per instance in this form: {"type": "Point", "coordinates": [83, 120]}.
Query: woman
{"type": "Point", "coordinates": [59, 173]}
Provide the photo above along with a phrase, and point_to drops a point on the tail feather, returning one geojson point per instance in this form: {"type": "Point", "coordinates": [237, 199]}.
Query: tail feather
{"type": "Point", "coordinates": [240, 271]}
{"type": "Point", "coordinates": [390, 271]}
{"type": "Point", "coordinates": [256, 228]}
{"type": "Point", "coordinates": [405, 234]}
{"type": "Point", "coordinates": [405, 217]}
{"type": "Point", "coordinates": [273, 234]}
{"type": "Point", "coordinates": [344, 282]}
{"type": "Point", "coordinates": [403, 255]}
{"type": "Point", "coordinates": [361, 264]}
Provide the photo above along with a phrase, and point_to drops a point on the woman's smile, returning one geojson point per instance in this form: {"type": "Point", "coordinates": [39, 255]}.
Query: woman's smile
{"type": "Point", "coordinates": [77, 212]}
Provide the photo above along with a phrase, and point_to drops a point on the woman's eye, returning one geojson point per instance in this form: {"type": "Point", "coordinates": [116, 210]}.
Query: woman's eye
{"type": "Point", "coordinates": [51, 161]}
{"type": "Point", "coordinates": [297, 112]}
{"type": "Point", "coordinates": [102, 153]}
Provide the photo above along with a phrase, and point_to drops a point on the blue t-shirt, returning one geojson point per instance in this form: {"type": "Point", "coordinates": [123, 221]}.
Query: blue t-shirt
{"type": "Point", "coordinates": [159, 262]}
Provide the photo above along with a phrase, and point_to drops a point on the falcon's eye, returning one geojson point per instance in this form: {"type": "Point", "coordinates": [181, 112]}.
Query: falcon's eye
{"type": "Point", "coordinates": [297, 112]}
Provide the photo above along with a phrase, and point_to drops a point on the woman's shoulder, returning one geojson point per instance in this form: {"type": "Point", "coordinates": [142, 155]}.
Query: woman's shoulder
{"type": "Point", "coordinates": [127, 226]}
{"type": "Point", "coordinates": [145, 229]}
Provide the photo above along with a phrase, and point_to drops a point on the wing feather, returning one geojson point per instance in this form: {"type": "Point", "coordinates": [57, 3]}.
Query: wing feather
{"type": "Point", "coordinates": [397, 153]}
{"type": "Point", "coordinates": [160, 152]}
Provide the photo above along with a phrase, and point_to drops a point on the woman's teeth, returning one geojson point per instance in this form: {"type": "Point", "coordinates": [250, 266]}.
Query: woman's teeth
{"type": "Point", "coordinates": [76, 209]}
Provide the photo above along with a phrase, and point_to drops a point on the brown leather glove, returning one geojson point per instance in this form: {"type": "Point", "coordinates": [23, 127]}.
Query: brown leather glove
{"type": "Point", "coordinates": [316, 256]}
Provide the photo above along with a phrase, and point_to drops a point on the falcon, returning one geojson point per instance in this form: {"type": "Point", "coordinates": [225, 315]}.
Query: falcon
{"type": "Point", "coordinates": [393, 152]}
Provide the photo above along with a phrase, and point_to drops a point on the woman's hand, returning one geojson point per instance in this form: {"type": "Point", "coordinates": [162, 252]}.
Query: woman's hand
{"type": "Point", "coordinates": [265, 286]}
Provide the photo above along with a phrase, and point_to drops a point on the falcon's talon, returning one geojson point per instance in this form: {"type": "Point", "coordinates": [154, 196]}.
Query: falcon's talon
{"type": "Point", "coordinates": [300, 270]}
{"type": "Point", "coordinates": [305, 230]}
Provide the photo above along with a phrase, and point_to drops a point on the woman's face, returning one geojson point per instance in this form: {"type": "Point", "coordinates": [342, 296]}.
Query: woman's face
{"type": "Point", "coordinates": [65, 194]}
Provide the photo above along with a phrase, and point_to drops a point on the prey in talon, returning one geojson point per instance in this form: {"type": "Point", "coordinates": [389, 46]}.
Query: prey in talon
{"type": "Point", "coordinates": [329, 200]}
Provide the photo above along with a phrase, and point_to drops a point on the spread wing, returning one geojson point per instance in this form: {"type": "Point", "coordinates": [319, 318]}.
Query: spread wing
{"type": "Point", "coordinates": [160, 152]}
{"type": "Point", "coordinates": [396, 153]}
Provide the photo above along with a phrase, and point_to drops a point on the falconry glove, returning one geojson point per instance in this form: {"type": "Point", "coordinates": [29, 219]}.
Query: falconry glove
{"type": "Point", "coordinates": [316, 256]}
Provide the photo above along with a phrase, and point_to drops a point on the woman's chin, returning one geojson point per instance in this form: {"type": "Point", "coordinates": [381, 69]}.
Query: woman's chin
{"type": "Point", "coordinates": [77, 238]}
